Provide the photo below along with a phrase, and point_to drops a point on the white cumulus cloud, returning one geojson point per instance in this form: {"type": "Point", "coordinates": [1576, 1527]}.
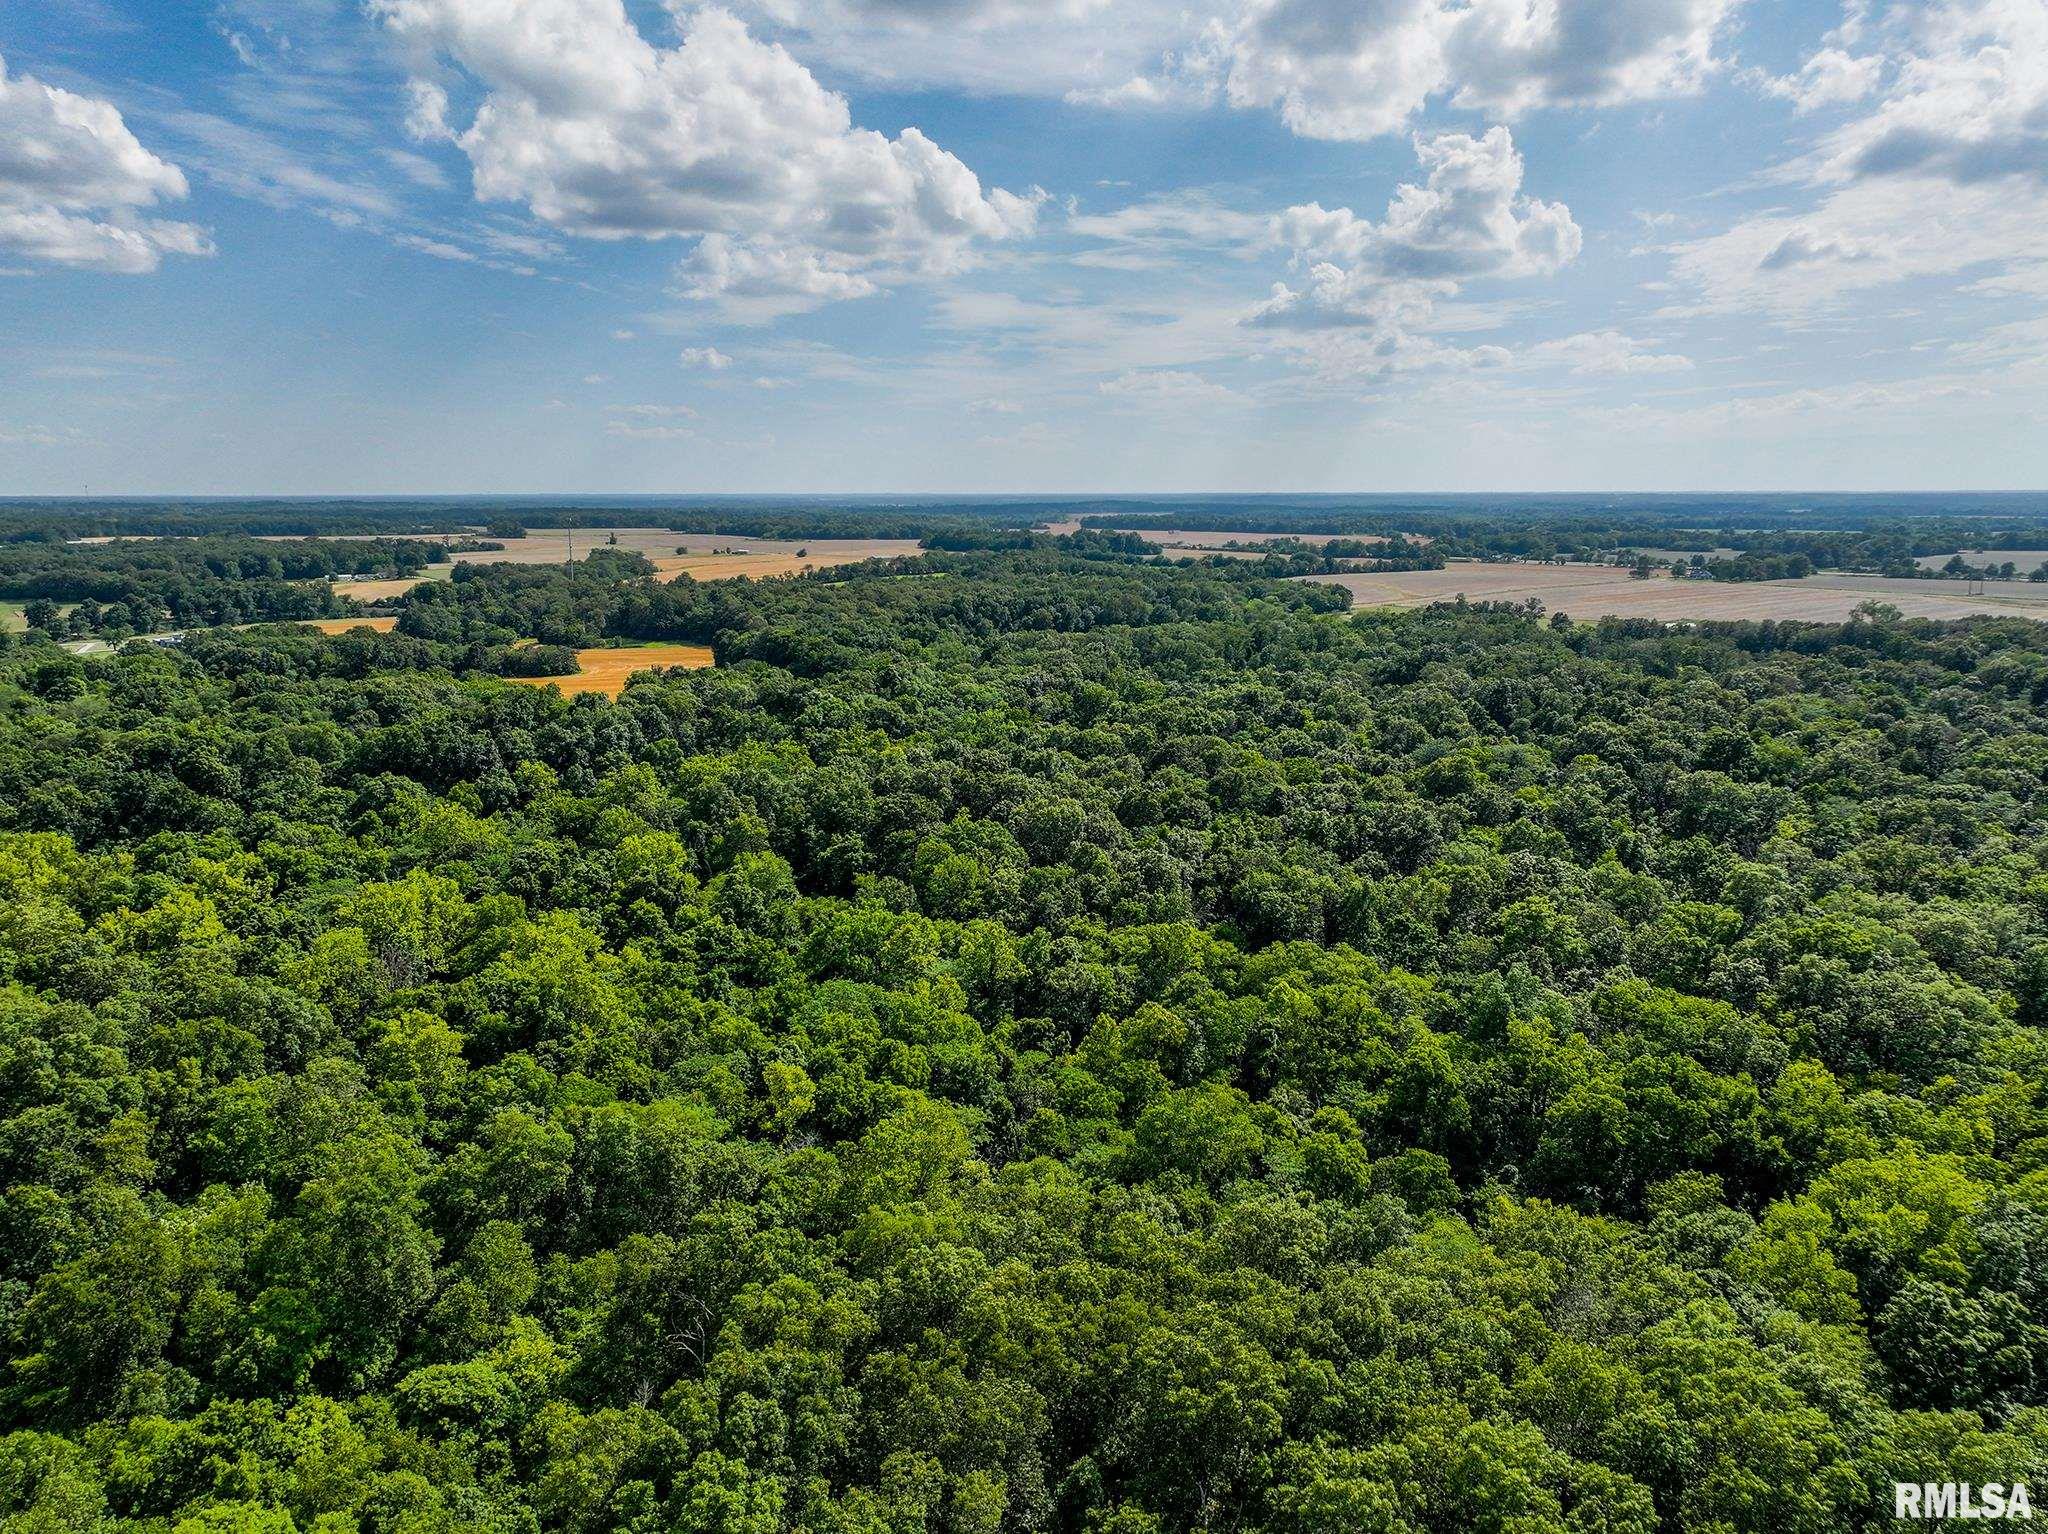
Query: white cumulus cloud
{"type": "Point", "coordinates": [1969, 103]}
{"type": "Point", "coordinates": [1470, 220]}
{"type": "Point", "coordinates": [1357, 69]}
{"type": "Point", "coordinates": [1335, 69]}
{"type": "Point", "coordinates": [1945, 173]}
{"type": "Point", "coordinates": [1514, 56]}
{"type": "Point", "coordinates": [73, 182]}
{"type": "Point", "coordinates": [721, 138]}
{"type": "Point", "coordinates": [1832, 77]}
{"type": "Point", "coordinates": [1374, 297]}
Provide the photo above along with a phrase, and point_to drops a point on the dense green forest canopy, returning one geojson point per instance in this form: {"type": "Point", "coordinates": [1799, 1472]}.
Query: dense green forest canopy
{"type": "Point", "coordinates": [1035, 1040]}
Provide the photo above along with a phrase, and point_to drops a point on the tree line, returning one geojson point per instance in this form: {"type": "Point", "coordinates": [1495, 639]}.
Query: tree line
{"type": "Point", "coordinates": [139, 586]}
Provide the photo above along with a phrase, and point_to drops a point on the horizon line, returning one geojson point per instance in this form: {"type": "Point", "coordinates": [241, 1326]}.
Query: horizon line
{"type": "Point", "coordinates": [34, 497]}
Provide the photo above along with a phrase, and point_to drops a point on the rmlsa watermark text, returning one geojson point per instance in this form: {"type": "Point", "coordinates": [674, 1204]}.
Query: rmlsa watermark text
{"type": "Point", "coordinates": [1960, 1499]}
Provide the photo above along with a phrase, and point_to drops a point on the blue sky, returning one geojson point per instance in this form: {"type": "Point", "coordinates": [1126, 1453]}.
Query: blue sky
{"type": "Point", "coordinates": [293, 246]}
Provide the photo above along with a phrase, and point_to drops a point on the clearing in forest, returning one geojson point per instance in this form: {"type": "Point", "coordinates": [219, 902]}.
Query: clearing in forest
{"type": "Point", "coordinates": [751, 566]}
{"type": "Point", "coordinates": [386, 591]}
{"type": "Point", "coordinates": [606, 670]}
{"type": "Point", "coordinates": [343, 625]}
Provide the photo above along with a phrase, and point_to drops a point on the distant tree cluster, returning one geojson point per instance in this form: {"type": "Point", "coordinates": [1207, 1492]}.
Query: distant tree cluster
{"type": "Point", "coordinates": [1698, 529]}
{"type": "Point", "coordinates": [1761, 567]}
{"type": "Point", "coordinates": [140, 586]}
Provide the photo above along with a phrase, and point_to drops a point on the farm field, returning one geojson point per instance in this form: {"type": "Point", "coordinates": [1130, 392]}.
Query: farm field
{"type": "Point", "coordinates": [705, 557]}
{"type": "Point", "coordinates": [606, 670]}
{"type": "Point", "coordinates": [554, 546]}
{"type": "Point", "coordinates": [1594, 591]}
{"type": "Point", "coordinates": [2024, 560]}
{"type": "Point", "coordinates": [343, 625]}
{"type": "Point", "coordinates": [1193, 538]}
{"type": "Point", "coordinates": [13, 614]}
{"type": "Point", "coordinates": [386, 591]}
{"type": "Point", "coordinates": [759, 565]}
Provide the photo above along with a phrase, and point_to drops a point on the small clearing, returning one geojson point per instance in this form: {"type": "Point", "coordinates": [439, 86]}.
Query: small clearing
{"type": "Point", "coordinates": [344, 625]}
{"type": "Point", "coordinates": [607, 670]}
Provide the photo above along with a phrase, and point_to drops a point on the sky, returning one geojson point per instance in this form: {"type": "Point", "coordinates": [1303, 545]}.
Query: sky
{"type": "Point", "coordinates": [1015, 246]}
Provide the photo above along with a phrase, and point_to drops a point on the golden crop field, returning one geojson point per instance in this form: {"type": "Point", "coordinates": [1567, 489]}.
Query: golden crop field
{"type": "Point", "coordinates": [1599, 591]}
{"type": "Point", "coordinates": [343, 625]}
{"type": "Point", "coordinates": [755, 566]}
{"type": "Point", "coordinates": [554, 546]}
{"type": "Point", "coordinates": [606, 670]}
{"type": "Point", "coordinates": [380, 591]}
{"type": "Point", "coordinates": [703, 557]}
{"type": "Point", "coordinates": [1189, 538]}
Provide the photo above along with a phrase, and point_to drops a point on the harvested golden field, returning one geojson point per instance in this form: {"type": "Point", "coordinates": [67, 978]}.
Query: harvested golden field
{"type": "Point", "coordinates": [700, 556]}
{"type": "Point", "coordinates": [1194, 538]}
{"type": "Point", "coordinates": [1596, 591]}
{"type": "Point", "coordinates": [343, 625]}
{"type": "Point", "coordinates": [753, 567]}
{"type": "Point", "coordinates": [555, 547]}
{"type": "Point", "coordinates": [607, 670]}
{"type": "Point", "coordinates": [379, 591]}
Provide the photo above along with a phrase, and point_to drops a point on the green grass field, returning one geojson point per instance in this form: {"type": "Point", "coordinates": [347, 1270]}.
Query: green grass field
{"type": "Point", "coordinates": [12, 619]}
